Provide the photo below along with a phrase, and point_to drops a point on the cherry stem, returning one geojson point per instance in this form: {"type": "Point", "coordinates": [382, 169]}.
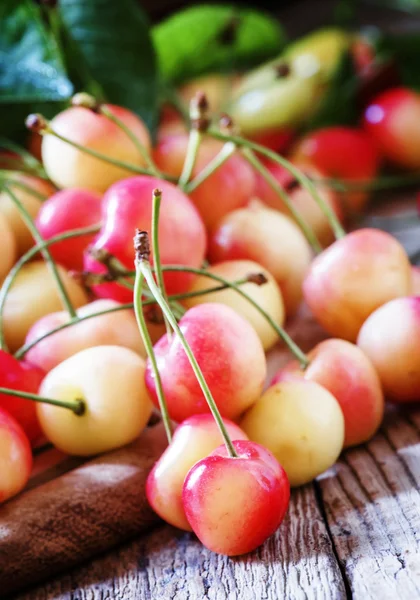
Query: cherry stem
{"type": "Point", "coordinates": [220, 158]}
{"type": "Point", "coordinates": [113, 161]}
{"type": "Point", "coordinates": [7, 177]}
{"type": "Point", "coordinates": [20, 353]}
{"type": "Point", "coordinates": [26, 217]}
{"type": "Point", "coordinates": [297, 173]}
{"type": "Point", "coordinates": [144, 267]}
{"type": "Point", "coordinates": [77, 406]}
{"type": "Point", "coordinates": [8, 282]}
{"type": "Point", "coordinates": [309, 233]}
{"type": "Point", "coordinates": [194, 141]}
{"type": "Point", "coordinates": [141, 322]}
{"type": "Point", "coordinates": [380, 183]}
{"type": "Point", "coordinates": [104, 110]}
{"type": "Point", "coordinates": [157, 199]}
{"type": "Point", "coordinates": [28, 159]}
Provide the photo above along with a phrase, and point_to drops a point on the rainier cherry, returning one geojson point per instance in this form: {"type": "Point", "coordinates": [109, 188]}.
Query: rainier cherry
{"type": "Point", "coordinates": [391, 339]}
{"type": "Point", "coordinates": [193, 440]}
{"type": "Point", "coordinates": [7, 248]}
{"type": "Point", "coordinates": [234, 504]}
{"type": "Point", "coordinates": [229, 353]}
{"type": "Point", "coordinates": [301, 423]}
{"type": "Point", "coordinates": [127, 205]}
{"type": "Point", "coordinates": [15, 457]}
{"type": "Point", "coordinates": [415, 280]}
{"type": "Point", "coordinates": [109, 380]}
{"type": "Point", "coordinates": [353, 277]}
{"type": "Point", "coordinates": [342, 153]}
{"type": "Point", "coordinates": [69, 167]}
{"type": "Point", "coordinates": [64, 211]}
{"type": "Point", "coordinates": [113, 329]}
{"type": "Point", "coordinates": [271, 239]}
{"type": "Point", "coordinates": [345, 371]}
{"type": "Point", "coordinates": [391, 120]}
{"type": "Point", "coordinates": [267, 296]}
{"type": "Point", "coordinates": [229, 187]}
{"type": "Point", "coordinates": [33, 295]}
{"type": "Point", "coordinates": [25, 377]}
{"type": "Point", "coordinates": [32, 203]}
{"type": "Point", "coordinates": [302, 200]}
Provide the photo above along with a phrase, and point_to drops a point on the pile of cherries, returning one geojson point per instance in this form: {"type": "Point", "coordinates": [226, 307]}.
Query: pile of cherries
{"type": "Point", "coordinates": [96, 331]}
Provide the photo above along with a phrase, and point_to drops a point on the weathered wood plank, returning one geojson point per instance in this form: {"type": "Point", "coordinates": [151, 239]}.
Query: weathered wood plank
{"type": "Point", "coordinates": [297, 563]}
{"type": "Point", "coordinates": [372, 504]}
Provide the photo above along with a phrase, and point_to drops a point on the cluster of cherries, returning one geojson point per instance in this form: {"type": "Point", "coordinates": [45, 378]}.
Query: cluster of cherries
{"type": "Point", "coordinates": [144, 327]}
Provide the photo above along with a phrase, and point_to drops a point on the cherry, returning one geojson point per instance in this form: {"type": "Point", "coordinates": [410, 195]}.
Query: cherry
{"type": "Point", "coordinates": [302, 200]}
{"type": "Point", "coordinates": [267, 296]}
{"type": "Point", "coordinates": [127, 205]}
{"type": "Point", "coordinates": [70, 167]}
{"type": "Point", "coordinates": [25, 377]}
{"type": "Point", "coordinates": [8, 248]}
{"type": "Point", "coordinates": [234, 504]}
{"type": "Point", "coordinates": [21, 311]}
{"type": "Point", "coordinates": [30, 201]}
{"type": "Point", "coordinates": [390, 337]}
{"type": "Point", "coordinates": [108, 381]}
{"type": "Point", "coordinates": [276, 139]}
{"type": "Point", "coordinates": [345, 371]}
{"type": "Point", "coordinates": [117, 328]}
{"type": "Point", "coordinates": [229, 353]}
{"type": "Point", "coordinates": [193, 440]}
{"type": "Point", "coordinates": [229, 187]}
{"type": "Point", "coordinates": [15, 457]}
{"type": "Point", "coordinates": [271, 239]}
{"type": "Point", "coordinates": [391, 120]}
{"type": "Point", "coordinates": [415, 278]}
{"type": "Point", "coordinates": [64, 211]}
{"type": "Point", "coordinates": [301, 423]}
{"type": "Point", "coordinates": [344, 153]}
{"type": "Point", "coordinates": [353, 277]}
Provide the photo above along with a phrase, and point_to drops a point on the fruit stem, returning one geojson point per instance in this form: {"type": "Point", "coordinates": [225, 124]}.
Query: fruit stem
{"type": "Point", "coordinates": [28, 159]}
{"type": "Point", "coordinates": [220, 158]}
{"type": "Point", "coordinates": [281, 332]}
{"type": "Point", "coordinates": [301, 177]}
{"type": "Point", "coordinates": [273, 183]}
{"type": "Point", "coordinates": [77, 406]}
{"type": "Point", "coordinates": [143, 266]}
{"type": "Point", "coordinates": [157, 199]}
{"type": "Point", "coordinates": [380, 183]}
{"type": "Point", "coordinates": [138, 309]}
{"type": "Point", "coordinates": [11, 276]}
{"type": "Point", "coordinates": [104, 110]}
{"type": "Point", "coordinates": [194, 141]}
{"type": "Point", "coordinates": [7, 177]}
{"type": "Point", "coordinates": [113, 161]}
{"type": "Point", "coordinates": [26, 217]}
{"type": "Point", "coordinates": [20, 353]}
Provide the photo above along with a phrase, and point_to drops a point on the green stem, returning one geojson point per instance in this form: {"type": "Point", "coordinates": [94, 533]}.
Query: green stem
{"type": "Point", "coordinates": [20, 353]}
{"type": "Point", "coordinates": [113, 161]}
{"type": "Point", "coordinates": [136, 142]}
{"type": "Point", "coordinates": [138, 309]}
{"type": "Point", "coordinates": [301, 177]}
{"type": "Point", "coordinates": [76, 406]}
{"type": "Point", "coordinates": [26, 217]}
{"type": "Point", "coordinates": [28, 158]}
{"type": "Point", "coordinates": [220, 158]}
{"type": "Point", "coordinates": [274, 184]}
{"type": "Point", "coordinates": [8, 178]}
{"type": "Point", "coordinates": [381, 183]}
{"type": "Point", "coordinates": [8, 282]}
{"type": "Point", "coordinates": [194, 141]}
{"type": "Point", "coordinates": [144, 267]}
{"type": "Point", "coordinates": [157, 199]}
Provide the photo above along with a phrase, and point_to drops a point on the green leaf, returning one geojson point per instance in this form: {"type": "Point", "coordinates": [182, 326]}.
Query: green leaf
{"type": "Point", "coordinates": [30, 68]}
{"type": "Point", "coordinates": [207, 38]}
{"type": "Point", "coordinates": [112, 41]}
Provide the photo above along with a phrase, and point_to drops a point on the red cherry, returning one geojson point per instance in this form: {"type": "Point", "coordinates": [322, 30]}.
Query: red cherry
{"type": "Point", "coordinates": [391, 119]}
{"type": "Point", "coordinates": [278, 139]}
{"type": "Point", "coordinates": [64, 211]}
{"type": "Point", "coordinates": [234, 504]}
{"type": "Point", "coordinates": [15, 457]}
{"type": "Point", "coordinates": [25, 377]}
{"type": "Point", "coordinates": [127, 205]}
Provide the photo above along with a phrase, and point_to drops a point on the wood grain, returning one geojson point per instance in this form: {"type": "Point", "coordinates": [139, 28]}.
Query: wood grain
{"type": "Point", "coordinates": [297, 563]}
